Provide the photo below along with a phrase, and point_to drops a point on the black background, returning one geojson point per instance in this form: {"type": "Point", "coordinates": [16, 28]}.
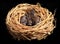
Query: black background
{"type": "Point", "coordinates": [6, 5]}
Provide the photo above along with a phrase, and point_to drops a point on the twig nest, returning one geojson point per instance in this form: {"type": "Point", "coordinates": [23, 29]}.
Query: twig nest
{"type": "Point", "coordinates": [27, 22]}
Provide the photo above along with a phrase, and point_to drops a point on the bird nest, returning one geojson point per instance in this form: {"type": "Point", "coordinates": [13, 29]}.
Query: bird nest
{"type": "Point", "coordinates": [28, 21]}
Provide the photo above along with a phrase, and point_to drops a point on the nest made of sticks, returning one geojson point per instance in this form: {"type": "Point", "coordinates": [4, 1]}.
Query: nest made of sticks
{"type": "Point", "coordinates": [27, 29]}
